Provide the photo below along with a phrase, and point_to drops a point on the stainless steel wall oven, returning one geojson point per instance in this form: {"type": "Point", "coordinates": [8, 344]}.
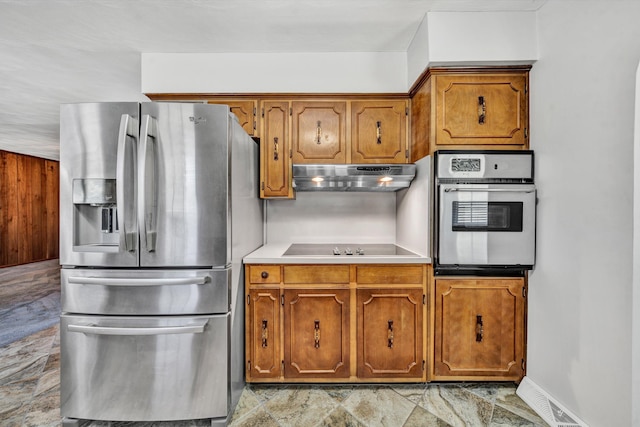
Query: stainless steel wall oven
{"type": "Point", "coordinates": [485, 218]}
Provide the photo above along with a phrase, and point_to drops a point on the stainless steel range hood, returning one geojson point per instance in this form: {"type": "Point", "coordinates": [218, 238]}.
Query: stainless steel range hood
{"type": "Point", "coordinates": [358, 177]}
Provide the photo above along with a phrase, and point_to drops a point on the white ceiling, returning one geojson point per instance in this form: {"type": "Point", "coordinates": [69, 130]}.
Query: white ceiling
{"type": "Point", "coordinates": [58, 51]}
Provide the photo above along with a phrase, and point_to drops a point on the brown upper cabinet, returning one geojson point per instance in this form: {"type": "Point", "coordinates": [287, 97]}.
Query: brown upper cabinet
{"type": "Point", "coordinates": [319, 132]}
{"type": "Point", "coordinates": [275, 155]}
{"type": "Point", "coordinates": [471, 109]}
{"type": "Point", "coordinates": [379, 131]}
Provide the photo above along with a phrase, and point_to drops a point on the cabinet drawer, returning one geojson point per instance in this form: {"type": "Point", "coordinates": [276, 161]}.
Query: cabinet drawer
{"type": "Point", "coordinates": [390, 275]}
{"type": "Point", "coordinates": [264, 274]}
{"type": "Point", "coordinates": [320, 274]}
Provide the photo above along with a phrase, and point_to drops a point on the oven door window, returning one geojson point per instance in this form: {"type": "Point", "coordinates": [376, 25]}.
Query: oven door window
{"type": "Point", "coordinates": [487, 216]}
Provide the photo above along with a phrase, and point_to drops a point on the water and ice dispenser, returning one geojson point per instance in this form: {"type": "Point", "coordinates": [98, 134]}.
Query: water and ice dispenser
{"type": "Point", "coordinates": [95, 213]}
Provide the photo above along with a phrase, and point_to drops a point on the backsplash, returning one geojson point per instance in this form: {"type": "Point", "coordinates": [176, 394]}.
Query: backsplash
{"type": "Point", "coordinates": [327, 217]}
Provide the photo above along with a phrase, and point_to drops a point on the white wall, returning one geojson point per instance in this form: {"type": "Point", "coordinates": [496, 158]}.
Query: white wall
{"type": "Point", "coordinates": [333, 72]}
{"type": "Point", "coordinates": [582, 115]}
{"type": "Point", "coordinates": [472, 38]}
{"type": "Point", "coordinates": [332, 217]}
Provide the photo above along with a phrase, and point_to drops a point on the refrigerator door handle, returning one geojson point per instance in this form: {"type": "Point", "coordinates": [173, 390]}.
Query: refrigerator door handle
{"type": "Point", "coordinates": [147, 196]}
{"type": "Point", "coordinates": [124, 171]}
{"type": "Point", "coordinates": [194, 328]}
{"type": "Point", "coordinates": [113, 281]}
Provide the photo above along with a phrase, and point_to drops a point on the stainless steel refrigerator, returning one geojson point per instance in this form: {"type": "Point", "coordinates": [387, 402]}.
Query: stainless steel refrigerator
{"type": "Point", "coordinates": [158, 205]}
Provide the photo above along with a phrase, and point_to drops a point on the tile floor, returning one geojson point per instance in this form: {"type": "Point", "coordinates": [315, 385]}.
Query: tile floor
{"type": "Point", "coordinates": [30, 381]}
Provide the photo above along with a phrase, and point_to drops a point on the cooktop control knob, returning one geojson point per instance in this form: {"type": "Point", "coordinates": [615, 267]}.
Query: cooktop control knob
{"type": "Point", "coordinates": [348, 251]}
{"type": "Point", "coordinates": [336, 251]}
{"type": "Point", "coordinates": [360, 251]}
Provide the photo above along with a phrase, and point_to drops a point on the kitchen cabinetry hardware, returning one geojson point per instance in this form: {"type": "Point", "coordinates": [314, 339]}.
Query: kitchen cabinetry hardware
{"type": "Point", "coordinates": [275, 148]}
{"type": "Point", "coordinates": [264, 274]}
{"type": "Point", "coordinates": [248, 299]}
{"type": "Point", "coordinates": [316, 333]}
{"type": "Point", "coordinates": [479, 328]}
{"type": "Point", "coordinates": [482, 110]}
{"type": "Point", "coordinates": [379, 132]}
{"type": "Point", "coordinates": [318, 132]}
{"type": "Point", "coordinates": [265, 333]}
{"type": "Point", "coordinates": [281, 299]}
{"type": "Point", "coordinates": [390, 334]}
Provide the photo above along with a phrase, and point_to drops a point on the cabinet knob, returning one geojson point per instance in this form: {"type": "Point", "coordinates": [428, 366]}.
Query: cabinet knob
{"type": "Point", "coordinates": [264, 274]}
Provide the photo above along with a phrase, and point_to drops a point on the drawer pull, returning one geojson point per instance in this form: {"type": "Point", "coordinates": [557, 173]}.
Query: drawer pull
{"type": "Point", "coordinates": [379, 132]}
{"type": "Point", "coordinates": [116, 281]}
{"type": "Point", "coordinates": [316, 333]}
{"type": "Point", "coordinates": [264, 274]}
{"type": "Point", "coordinates": [265, 333]}
{"type": "Point", "coordinates": [196, 328]}
{"type": "Point", "coordinates": [390, 334]}
{"type": "Point", "coordinates": [479, 328]}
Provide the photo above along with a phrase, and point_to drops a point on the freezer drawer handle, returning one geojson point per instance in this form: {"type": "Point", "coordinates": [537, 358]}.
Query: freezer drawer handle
{"type": "Point", "coordinates": [112, 281]}
{"type": "Point", "coordinates": [487, 190]}
{"type": "Point", "coordinates": [197, 328]}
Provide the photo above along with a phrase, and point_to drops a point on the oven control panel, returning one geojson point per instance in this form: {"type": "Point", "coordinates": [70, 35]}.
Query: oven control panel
{"type": "Point", "coordinates": [484, 165]}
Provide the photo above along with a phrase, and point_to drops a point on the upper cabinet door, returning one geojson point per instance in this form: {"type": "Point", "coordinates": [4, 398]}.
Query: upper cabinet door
{"type": "Point", "coordinates": [481, 109]}
{"type": "Point", "coordinates": [379, 131]}
{"type": "Point", "coordinates": [275, 163]}
{"type": "Point", "coordinates": [319, 132]}
{"type": "Point", "coordinates": [245, 111]}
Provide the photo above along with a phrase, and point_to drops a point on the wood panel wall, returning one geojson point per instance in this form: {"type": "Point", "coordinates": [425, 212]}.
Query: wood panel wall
{"type": "Point", "coordinates": [29, 209]}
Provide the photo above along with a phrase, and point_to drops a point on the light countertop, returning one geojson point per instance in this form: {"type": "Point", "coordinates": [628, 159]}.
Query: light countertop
{"type": "Point", "coordinates": [273, 253]}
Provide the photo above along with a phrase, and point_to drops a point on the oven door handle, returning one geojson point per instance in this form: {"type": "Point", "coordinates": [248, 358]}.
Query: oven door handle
{"type": "Point", "coordinates": [112, 281]}
{"type": "Point", "coordinates": [196, 328]}
{"type": "Point", "coordinates": [487, 190]}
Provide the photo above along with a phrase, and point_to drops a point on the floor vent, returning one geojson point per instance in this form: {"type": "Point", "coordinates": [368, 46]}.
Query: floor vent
{"type": "Point", "coordinates": [549, 410]}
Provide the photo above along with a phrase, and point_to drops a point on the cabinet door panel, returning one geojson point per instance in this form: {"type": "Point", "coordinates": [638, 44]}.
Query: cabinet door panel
{"type": "Point", "coordinates": [264, 334]}
{"type": "Point", "coordinates": [479, 328]}
{"type": "Point", "coordinates": [485, 110]}
{"type": "Point", "coordinates": [316, 341]}
{"type": "Point", "coordinates": [319, 132]}
{"type": "Point", "coordinates": [378, 131]}
{"type": "Point", "coordinates": [274, 150]}
{"type": "Point", "coordinates": [390, 343]}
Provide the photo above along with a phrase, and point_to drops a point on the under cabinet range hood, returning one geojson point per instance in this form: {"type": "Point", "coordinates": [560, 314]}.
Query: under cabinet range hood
{"type": "Point", "coordinates": [354, 177]}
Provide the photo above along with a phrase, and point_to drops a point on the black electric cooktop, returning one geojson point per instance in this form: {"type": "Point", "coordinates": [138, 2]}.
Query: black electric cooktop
{"type": "Point", "coordinates": [346, 249]}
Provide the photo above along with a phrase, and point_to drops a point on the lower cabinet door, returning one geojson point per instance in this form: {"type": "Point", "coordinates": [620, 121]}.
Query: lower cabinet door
{"type": "Point", "coordinates": [479, 329]}
{"type": "Point", "coordinates": [390, 341]}
{"type": "Point", "coordinates": [316, 333]}
{"type": "Point", "coordinates": [263, 334]}
{"type": "Point", "coordinates": [117, 368]}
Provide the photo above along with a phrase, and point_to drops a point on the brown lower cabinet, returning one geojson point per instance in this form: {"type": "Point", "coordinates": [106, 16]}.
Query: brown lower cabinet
{"type": "Point", "coordinates": [479, 329]}
{"type": "Point", "coordinates": [390, 327]}
{"type": "Point", "coordinates": [316, 333]}
{"type": "Point", "coordinates": [335, 323]}
{"type": "Point", "coordinates": [382, 323]}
